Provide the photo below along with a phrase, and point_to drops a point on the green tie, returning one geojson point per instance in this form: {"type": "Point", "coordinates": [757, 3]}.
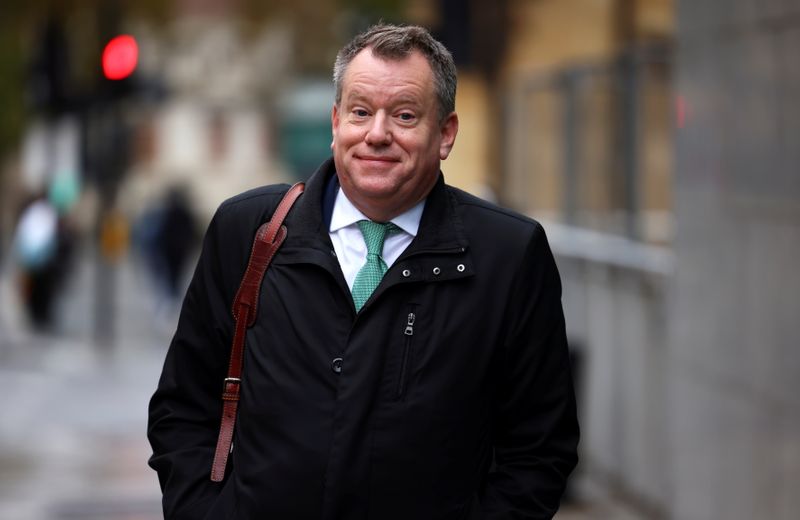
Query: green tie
{"type": "Point", "coordinates": [374, 268]}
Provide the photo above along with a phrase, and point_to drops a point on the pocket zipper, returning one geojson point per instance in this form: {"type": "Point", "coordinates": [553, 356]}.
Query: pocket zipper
{"type": "Point", "coordinates": [409, 333]}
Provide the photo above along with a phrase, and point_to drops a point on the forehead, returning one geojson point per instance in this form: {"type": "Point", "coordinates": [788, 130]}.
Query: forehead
{"type": "Point", "coordinates": [367, 70]}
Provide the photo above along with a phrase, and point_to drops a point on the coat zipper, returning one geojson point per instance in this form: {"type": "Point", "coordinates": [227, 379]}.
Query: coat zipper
{"type": "Point", "coordinates": [409, 334]}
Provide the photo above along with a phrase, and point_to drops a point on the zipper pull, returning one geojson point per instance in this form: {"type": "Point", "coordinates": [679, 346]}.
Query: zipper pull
{"type": "Point", "coordinates": [410, 324]}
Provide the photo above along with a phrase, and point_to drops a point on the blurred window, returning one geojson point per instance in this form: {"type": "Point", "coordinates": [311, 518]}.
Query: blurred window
{"type": "Point", "coordinates": [590, 145]}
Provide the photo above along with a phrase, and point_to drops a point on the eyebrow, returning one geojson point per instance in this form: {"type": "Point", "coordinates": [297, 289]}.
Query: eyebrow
{"type": "Point", "coordinates": [355, 96]}
{"type": "Point", "coordinates": [402, 99]}
{"type": "Point", "coordinates": [409, 100]}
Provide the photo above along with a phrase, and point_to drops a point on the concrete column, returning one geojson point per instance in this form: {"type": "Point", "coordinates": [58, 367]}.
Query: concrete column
{"type": "Point", "coordinates": [734, 348]}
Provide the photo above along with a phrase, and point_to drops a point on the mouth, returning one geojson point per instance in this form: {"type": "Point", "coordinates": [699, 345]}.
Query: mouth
{"type": "Point", "coordinates": [379, 159]}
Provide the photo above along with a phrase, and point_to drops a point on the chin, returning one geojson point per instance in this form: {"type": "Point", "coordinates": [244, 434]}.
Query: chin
{"type": "Point", "coordinates": [374, 190]}
{"type": "Point", "coordinates": [375, 180]}
{"type": "Point", "coordinates": [377, 171]}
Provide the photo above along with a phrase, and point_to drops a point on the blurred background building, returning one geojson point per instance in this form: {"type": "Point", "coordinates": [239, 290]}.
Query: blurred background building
{"type": "Point", "coordinates": [655, 139]}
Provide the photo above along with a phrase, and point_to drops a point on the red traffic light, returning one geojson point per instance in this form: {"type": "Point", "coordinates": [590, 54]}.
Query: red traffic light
{"type": "Point", "coordinates": [120, 57]}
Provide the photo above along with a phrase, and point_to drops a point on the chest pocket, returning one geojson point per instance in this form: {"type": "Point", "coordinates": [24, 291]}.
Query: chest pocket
{"type": "Point", "coordinates": [402, 342]}
{"type": "Point", "coordinates": [406, 353]}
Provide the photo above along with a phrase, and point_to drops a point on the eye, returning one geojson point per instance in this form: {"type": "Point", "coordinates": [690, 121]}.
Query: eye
{"type": "Point", "coordinates": [360, 112]}
{"type": "Point", "coordinates": [406, 116]}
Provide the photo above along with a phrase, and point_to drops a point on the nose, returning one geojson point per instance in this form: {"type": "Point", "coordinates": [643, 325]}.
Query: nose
{"type": "Point", "coordinates": [378, 133]}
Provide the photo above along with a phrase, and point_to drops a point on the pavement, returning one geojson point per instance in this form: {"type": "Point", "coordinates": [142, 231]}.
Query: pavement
{"type": "Point", "coordinates": [72, 435]}
{"type": "Point", "coordinates": [72, 438]}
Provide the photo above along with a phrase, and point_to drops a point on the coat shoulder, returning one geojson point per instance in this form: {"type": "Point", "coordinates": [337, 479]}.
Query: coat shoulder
{"type": "Point", "coordinates": [255, 198]}
{"type": "Point", "coordinates": [491, 215]}
{"type": "Point", "coordinates": [251, 207]}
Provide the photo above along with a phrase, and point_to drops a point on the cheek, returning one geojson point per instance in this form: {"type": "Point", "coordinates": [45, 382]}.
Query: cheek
{"type": "Point", "coordinates": [348, 139]}
{"type": "Point", "coordinates": [414, 146]}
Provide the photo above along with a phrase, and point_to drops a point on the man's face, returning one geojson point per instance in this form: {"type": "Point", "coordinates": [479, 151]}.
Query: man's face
{"type": "Point", "coordinates": [388, 139]}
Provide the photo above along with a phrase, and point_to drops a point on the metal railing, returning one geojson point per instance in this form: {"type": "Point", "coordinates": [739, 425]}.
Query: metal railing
{"type": "Point", "coordinates": [589, 144]}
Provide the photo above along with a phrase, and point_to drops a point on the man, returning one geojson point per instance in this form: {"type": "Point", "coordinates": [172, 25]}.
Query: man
{"type": "Point", "coordinates": [444, 393]}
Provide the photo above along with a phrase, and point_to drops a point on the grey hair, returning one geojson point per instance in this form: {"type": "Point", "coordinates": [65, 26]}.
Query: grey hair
{"type": "Point", "coordinates": [395, 42]}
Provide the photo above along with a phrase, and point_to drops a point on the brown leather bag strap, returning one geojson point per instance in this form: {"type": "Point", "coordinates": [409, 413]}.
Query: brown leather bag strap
{"type": "Point", "coordinates": [269, 238]}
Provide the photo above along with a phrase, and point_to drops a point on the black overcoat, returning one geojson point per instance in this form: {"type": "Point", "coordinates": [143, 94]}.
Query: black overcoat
{"type": "Point", "coordinates": [448, 396]}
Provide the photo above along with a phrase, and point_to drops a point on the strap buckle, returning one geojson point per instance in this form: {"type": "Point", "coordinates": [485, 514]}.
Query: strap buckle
{"type": "Point", "coordinates": [230, 389]}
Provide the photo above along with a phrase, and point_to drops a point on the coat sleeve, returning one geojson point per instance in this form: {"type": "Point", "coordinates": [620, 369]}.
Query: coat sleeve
{"type": "Point", "coordinates": [185, 410]}
{"type": "Point", "coordinates": [536, 428]}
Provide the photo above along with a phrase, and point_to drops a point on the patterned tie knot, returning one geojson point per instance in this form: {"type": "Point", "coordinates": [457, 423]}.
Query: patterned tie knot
{"type": "Point", "coordinates": [368, 278]}
{"type": "Point", "coordinates": [375, 234]}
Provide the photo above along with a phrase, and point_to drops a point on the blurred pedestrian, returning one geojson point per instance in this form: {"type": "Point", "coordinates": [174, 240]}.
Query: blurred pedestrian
{"type": "Point", "coordinates": [42, 247]}
{"type": "Point", "coordinates": [408, 358]}
{"type": "Point", "coordinates": [166, 234]}
{"type": "Point", "coordinates": [176, 239]}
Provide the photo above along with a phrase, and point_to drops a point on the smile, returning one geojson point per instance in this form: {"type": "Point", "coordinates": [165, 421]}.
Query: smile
{"type": "Point", "coordinates": [378, 159]}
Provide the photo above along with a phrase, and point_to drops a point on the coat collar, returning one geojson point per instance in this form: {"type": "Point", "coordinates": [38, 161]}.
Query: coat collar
{"type": "Point", "coordinates": [440, 251]}
{"type": "Point", "coordinates": [440, 229]}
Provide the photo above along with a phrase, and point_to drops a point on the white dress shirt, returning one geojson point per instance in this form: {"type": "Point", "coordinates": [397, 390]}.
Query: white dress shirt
{"type": "Point", "coordinates": [348, 242]}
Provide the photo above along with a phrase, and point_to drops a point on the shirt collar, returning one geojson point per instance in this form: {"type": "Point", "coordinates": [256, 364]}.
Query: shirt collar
{"type": "Point", "coordinates": [345, 214]}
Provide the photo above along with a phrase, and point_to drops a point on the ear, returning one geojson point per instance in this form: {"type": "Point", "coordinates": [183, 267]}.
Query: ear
{"type": "Point", "coordinates": [449, 130]}
{"type": "Point", "coordinates": [334, 123]}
